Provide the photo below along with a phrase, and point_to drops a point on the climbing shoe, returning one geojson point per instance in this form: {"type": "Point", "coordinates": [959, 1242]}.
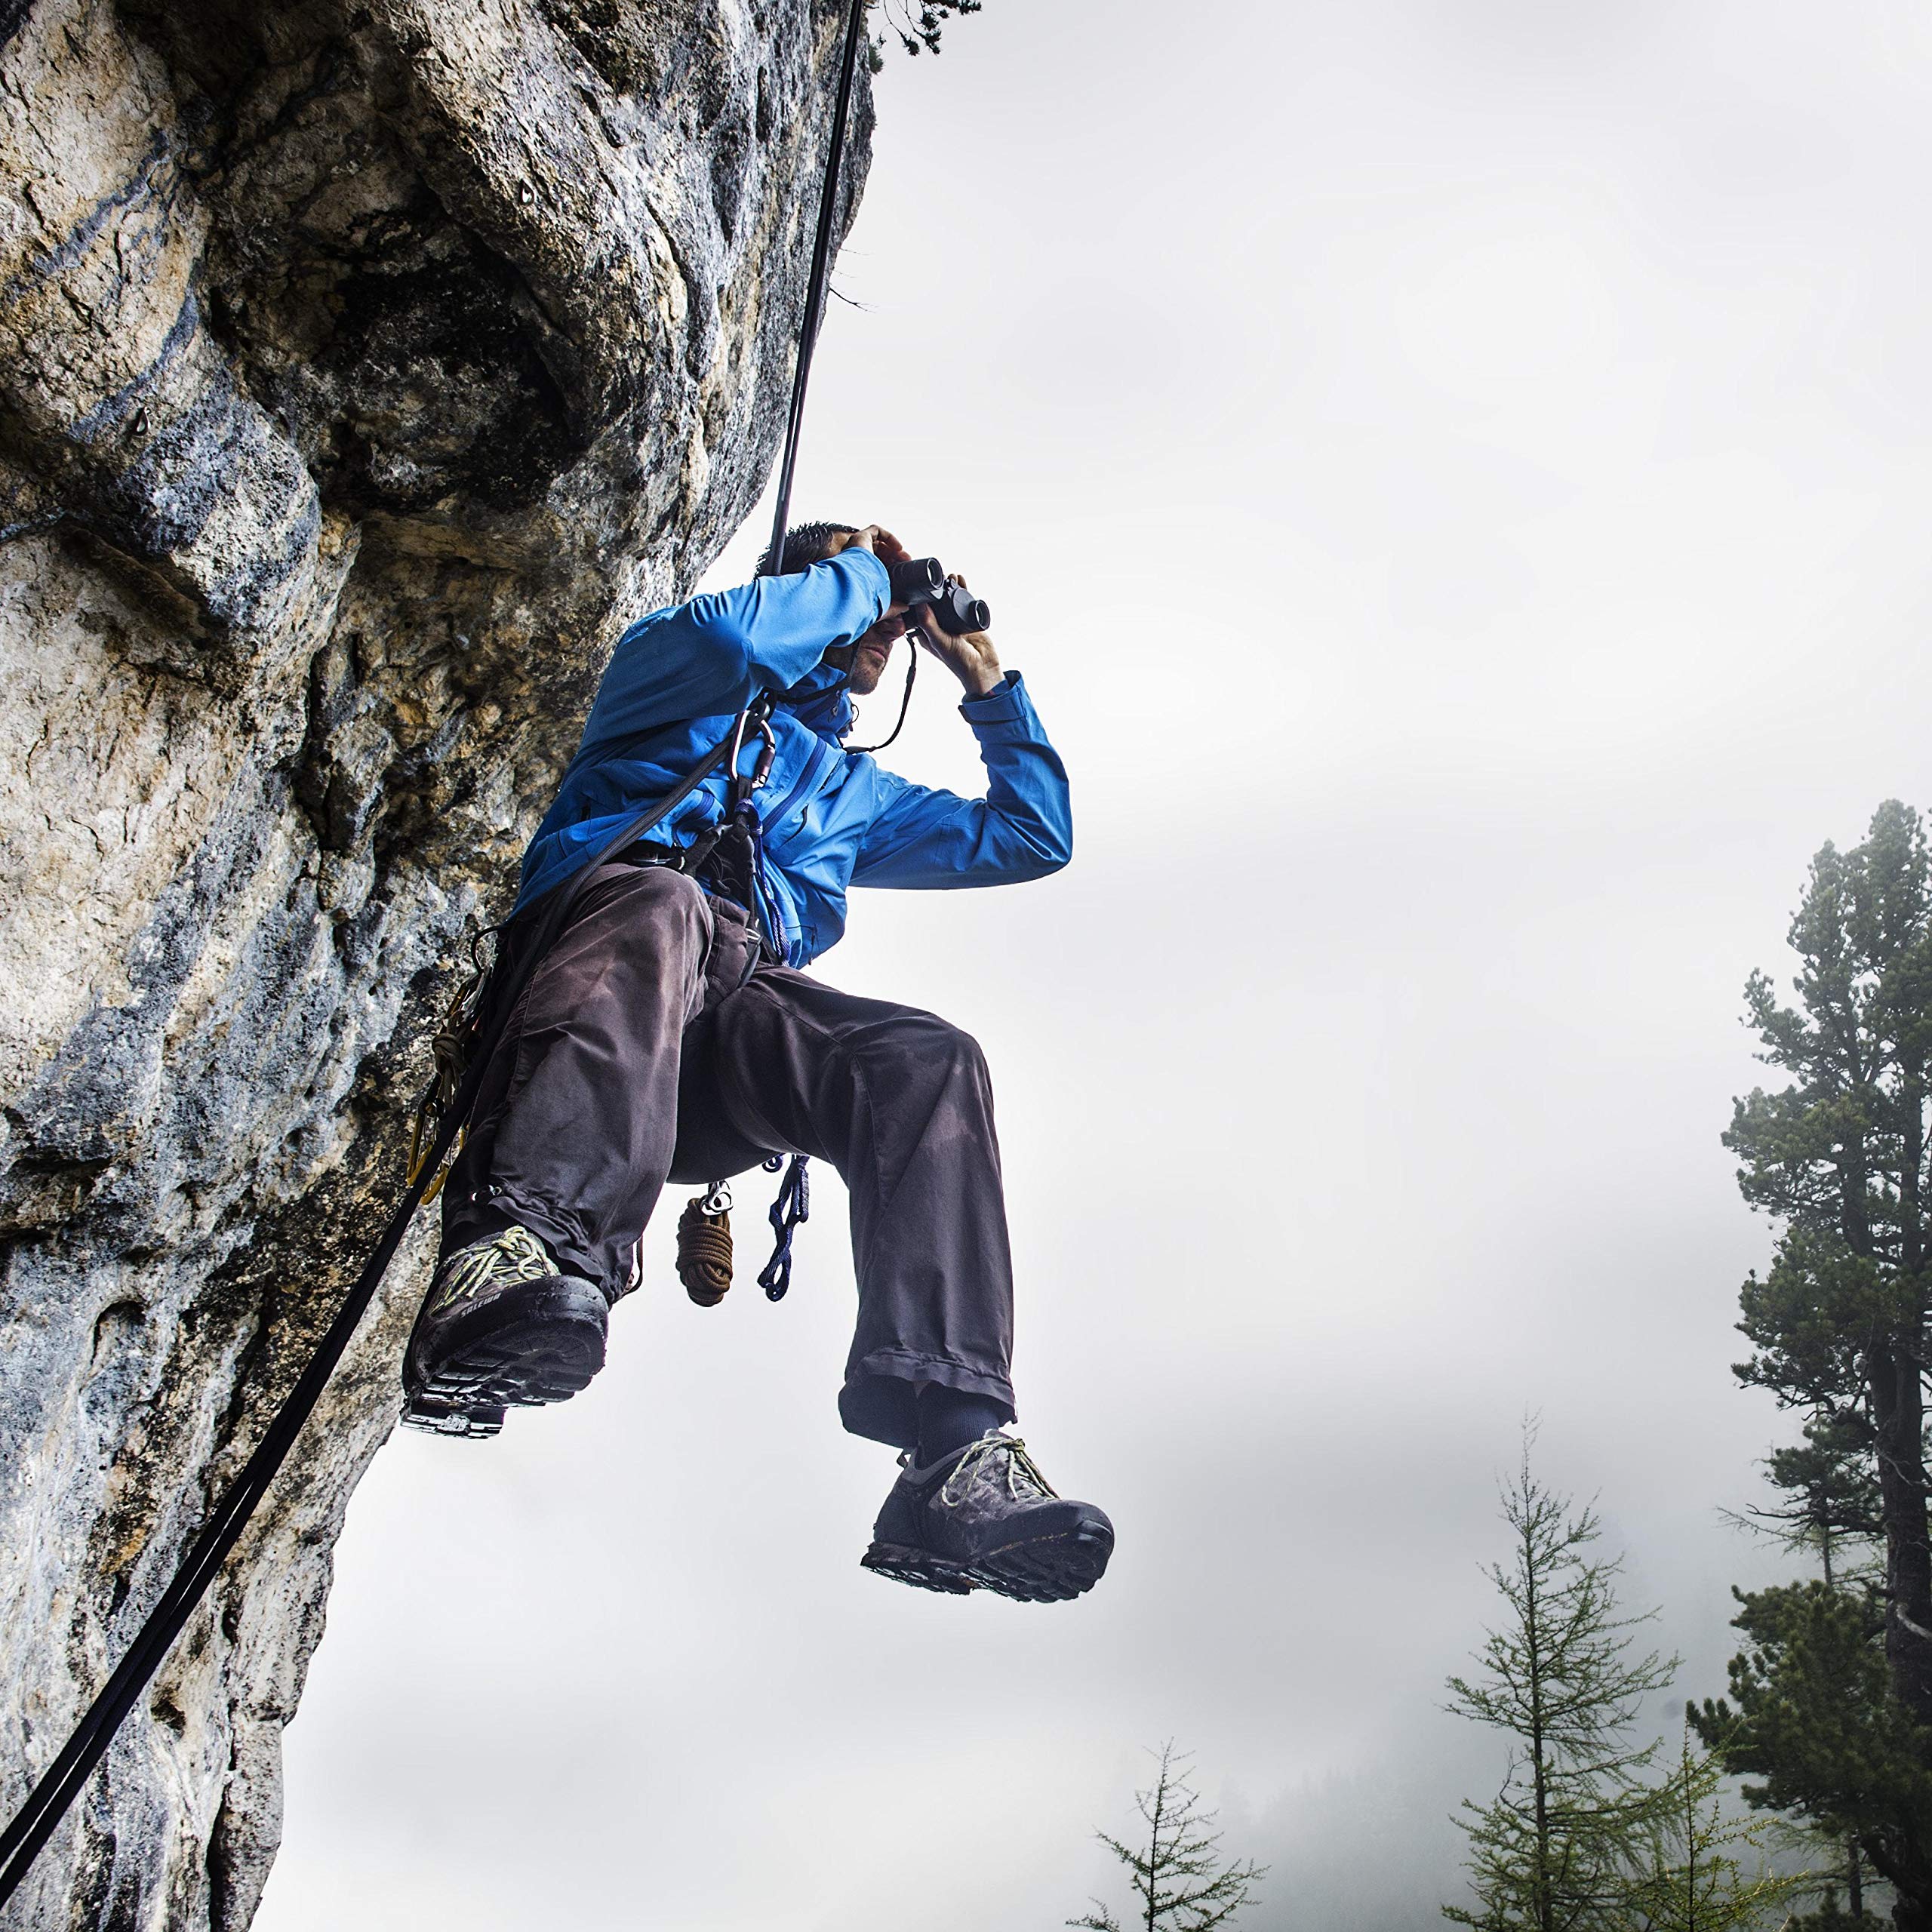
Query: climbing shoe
{"type": "Point", "coordinates": [987, 1517]}
{"type": "Point", "coordinates": [501, 1328]}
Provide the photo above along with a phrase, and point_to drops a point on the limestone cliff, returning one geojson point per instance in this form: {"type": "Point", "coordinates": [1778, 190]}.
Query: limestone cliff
{"type": "Point", "coordinates": [362, 363]}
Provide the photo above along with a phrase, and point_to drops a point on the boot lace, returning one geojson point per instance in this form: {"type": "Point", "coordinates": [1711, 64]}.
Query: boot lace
{"type": "Point", "coordinates": [515, 1255]}
{"type": "Point", "coordinates": [1024, 1481]}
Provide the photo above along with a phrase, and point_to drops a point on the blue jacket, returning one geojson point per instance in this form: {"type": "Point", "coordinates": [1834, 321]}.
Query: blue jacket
{"type": "Point", "coordinates": [832, 818]}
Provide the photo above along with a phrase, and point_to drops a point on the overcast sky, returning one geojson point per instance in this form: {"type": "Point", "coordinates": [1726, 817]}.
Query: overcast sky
{"type": "Point", "coordinates": [1453, 473]}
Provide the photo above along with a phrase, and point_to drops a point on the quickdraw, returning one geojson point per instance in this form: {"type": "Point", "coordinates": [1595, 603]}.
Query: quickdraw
{"type": "Point", "coordinates": [789, 1212]}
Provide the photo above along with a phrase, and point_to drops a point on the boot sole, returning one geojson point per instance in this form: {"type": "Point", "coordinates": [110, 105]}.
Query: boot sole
{"type": "Point", "coordinates": [1055, 1568]}
{"type": "Point", "coordinates": [1049, 1569]}
{"type": "Point", "coordinates": [435, 1418]}
{"type": "Point", "coordinates": [919, 1567]}
{"type": "Point", "coordinates": [528, 1347]}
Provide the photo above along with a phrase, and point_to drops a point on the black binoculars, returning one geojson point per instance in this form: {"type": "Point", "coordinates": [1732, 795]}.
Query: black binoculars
{"type": "Point", "coordinates": [920, 583]}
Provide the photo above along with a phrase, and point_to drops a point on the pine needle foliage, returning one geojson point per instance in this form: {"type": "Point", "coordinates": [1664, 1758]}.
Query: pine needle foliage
{"type": "Point", "coordinates": [1556, 1849]}
{"type": "Point", "coordinates": [1179, 1879]}
{"type": "Point", "coordinates": [1813, 1717]}
{"type": "Point", "coordinates": [1692, 1877]}
{"type": "Point", "coordinates": [1828, 1496]}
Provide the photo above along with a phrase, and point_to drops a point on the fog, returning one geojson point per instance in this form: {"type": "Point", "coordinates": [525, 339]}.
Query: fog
{"type": "Point", "coordinates": [1453, 475]}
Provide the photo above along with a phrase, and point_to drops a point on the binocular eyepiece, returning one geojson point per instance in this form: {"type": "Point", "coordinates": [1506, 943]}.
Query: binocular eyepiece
{"type": "Point", "coordinates": [920, 583]}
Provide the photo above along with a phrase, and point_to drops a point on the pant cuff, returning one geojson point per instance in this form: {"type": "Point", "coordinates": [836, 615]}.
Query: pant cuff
{"type": "Point", "coordinates": [490, 1217]}
{"type": "Point", "coordinates": [880, 1402]}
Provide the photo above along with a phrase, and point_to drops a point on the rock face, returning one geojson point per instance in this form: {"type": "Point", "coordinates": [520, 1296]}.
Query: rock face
{"type": "Point", "coordinates": [363, 365]}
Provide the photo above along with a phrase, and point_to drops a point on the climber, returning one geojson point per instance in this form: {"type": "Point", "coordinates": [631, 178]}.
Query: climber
{"type": "Point", "coordinates": [669, 1032]}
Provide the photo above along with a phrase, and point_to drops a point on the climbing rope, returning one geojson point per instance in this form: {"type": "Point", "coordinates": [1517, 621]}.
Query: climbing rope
{"type": "Point", "coordinates": [34, 1823]}
{"type": "Point", "coordinates": [820, 275]}
{"type": "Point", "coordinates": [704, 1245]}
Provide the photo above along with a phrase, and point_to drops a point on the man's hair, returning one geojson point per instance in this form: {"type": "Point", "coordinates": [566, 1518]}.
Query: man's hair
{"type": "Point", "coordinates": [805, 544]}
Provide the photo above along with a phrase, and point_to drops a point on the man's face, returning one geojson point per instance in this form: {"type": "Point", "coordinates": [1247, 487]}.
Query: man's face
{"type": "Point", "coordinates": [864, 661]}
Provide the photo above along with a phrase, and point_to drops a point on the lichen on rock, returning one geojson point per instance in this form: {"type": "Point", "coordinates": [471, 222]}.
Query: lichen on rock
{"type": "Point", "coordinates": [363, 365]}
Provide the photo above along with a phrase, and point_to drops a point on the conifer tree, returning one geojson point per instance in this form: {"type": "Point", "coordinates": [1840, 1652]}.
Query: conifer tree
{"type": "Point", "coordinates": [1812, 1718]}
{"type": "Point", "coordinates": [1831, 1704]}
{"type": "Point", "coordinates": [1561, 1847]}
{"type": "Point", "coordinates": [1828, 1496]}
{"type": "Point", "coordinates": [1828, 1506]}
{"type": "Point", "coordinates": [1691, 1877]}
{"type": "Point", "coordinates": [1180, 1880]}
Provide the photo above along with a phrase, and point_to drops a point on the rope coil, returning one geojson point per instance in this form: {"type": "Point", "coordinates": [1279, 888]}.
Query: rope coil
{"type": "Point", "coordinates": [704, 1246]}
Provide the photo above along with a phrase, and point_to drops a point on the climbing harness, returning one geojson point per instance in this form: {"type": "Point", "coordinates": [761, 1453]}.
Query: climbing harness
{"type": "Point", "coordinates": [477, 1014]}
{"type": "Point", "coordinates": [478, 1028]}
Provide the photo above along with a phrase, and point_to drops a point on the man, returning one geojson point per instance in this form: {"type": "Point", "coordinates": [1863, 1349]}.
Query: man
{"type": "Point", "coordinates": [667, 1031]}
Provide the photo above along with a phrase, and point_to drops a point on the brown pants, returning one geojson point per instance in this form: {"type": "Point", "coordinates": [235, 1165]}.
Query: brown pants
{"type": "Point", "coordinates": [651, 1043]}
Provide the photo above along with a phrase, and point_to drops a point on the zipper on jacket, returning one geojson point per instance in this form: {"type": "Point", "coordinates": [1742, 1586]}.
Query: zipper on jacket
{"type": "Point", "coordinates": [821, 750]}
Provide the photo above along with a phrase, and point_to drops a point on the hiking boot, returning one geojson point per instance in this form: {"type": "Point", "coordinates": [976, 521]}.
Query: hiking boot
{"type": "Point", "coordinates": [501, 1328]}
{"type": "Point", "coordinates": [987, 1516]}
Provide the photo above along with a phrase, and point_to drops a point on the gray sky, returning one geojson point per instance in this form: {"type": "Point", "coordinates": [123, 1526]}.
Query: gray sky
{"type": "Point", "coordinates": [1453, 473]}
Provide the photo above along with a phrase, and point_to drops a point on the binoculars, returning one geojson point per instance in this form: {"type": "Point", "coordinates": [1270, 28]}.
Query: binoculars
{"type": "Point", "coordinates": [920, 583]}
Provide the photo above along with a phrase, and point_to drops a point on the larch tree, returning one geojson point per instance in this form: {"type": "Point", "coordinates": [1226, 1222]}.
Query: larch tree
{"type": "Point", "coordinates": [1180, 1880]}
{"type": "Point", "coordinates": [1560, 1847]}
{"type": "Point", "coordinates": [1704, 1868]}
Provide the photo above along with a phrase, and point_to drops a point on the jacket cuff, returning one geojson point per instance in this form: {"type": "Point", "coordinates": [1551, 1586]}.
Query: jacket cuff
{"type": "Point", "coordinates": [873, 575]}
{"type": "Point", "coordinates": [1006, 703]}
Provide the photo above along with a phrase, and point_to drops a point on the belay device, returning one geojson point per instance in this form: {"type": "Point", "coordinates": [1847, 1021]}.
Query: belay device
{"type": "Point", "coordinates": [475, 1024]}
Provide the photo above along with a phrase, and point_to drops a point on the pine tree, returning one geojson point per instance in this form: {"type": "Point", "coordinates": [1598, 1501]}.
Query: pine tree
{"type": "Point", "coordinates": [1839, 1157]}
{"type": "Point", "coordinates": [1813, 1716]}
{"type": "Point", "coordinates": [1829, 1506]}
{"type": "Point", "coordinates": [1831, 1705]}
{"type": "Point", "coordinates": [1557, 1849]}
{"type": "Point", "coordinates": [1176, 1873]}
{"type": "Point", "coordinates": [1829, 1495]}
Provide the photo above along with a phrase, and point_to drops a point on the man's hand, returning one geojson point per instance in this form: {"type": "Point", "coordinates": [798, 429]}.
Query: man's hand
{"type": "Point", "coordinates": [971, 658]}
{"type": "Point", "coordinates": [882, 543]}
